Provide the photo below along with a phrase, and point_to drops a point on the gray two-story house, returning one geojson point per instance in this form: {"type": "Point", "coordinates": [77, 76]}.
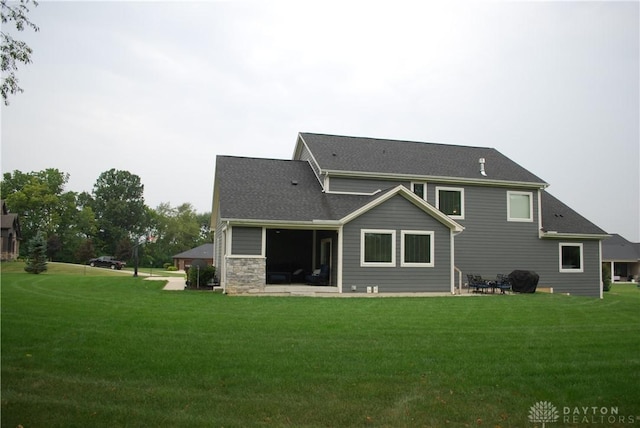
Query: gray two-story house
{"type": "Point", "coordinates": [365, 214]}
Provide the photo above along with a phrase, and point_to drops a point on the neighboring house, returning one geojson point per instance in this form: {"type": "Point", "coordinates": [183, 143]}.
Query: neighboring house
{"type": "Point", "coordinates": [203, 252]}
{"type": "Point", "coordinates": [623, 256]}
{"type": "Point", "coordinates": [10, 234]}
{"type": "Point", "coordinates": [395, 216]}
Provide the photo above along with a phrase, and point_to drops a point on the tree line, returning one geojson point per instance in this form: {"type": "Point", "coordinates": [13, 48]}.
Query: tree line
{"type": "Point", "coordinates": [111, 220]}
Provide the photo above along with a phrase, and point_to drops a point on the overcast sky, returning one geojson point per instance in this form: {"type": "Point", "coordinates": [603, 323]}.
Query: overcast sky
{"type": "Point", "coordinates": [160, 88]}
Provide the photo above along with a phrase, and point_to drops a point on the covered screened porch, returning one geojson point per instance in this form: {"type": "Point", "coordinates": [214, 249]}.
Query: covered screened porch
{"type": "Point", "coordinates": [300, 257]}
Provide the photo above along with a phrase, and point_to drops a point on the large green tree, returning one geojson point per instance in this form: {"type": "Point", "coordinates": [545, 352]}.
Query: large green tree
{"type": "Point", "coordinates": [14, 51]}
{"type": "Point", "coordinates": [36, 198]}
{"type": "Point", "coordinates": [177, 229]}
{"type": "Point", "coordinates": [42, 203]}
{"type": "Point", "coordinates": [118, 204]}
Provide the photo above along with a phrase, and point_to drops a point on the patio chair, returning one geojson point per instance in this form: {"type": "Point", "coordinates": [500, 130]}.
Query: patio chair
{"type": "Point", "coordinates": [319, 276]}
{"type": "Point", "coordinates": [502, 283]}
{"type": "Point", "coordinates": [477, 283]}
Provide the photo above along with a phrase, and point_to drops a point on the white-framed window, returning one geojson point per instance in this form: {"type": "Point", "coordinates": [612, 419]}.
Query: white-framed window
{"type": "Point", "coordinates": [450, 201]}
{"type": "Point", "coordinates": [519, 206]}
{"type": "Point", "coordinates": [420, 189]}
{"type": "Point", "coordinates": [378, 247]}
{"type": "Point", "coordinates": [571, 257]}
{"type": "Point", "coordinates": [417, 248]}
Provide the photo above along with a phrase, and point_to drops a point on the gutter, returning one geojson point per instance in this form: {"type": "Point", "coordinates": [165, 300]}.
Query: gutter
{"type": "Point", "coordinates": [552, 234]}
{"type": "Point", "coordinates": [313, 224]}
{"type": "Point", "coordinates": [444, 179]}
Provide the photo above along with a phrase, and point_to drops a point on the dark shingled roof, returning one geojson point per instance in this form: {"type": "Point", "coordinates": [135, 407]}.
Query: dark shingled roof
{"type": "Point", "coordinates": [558, 217]}
{"type": "Point", "coordinates": [279, 190]}
{"type": "Point", "coordinates": [618, 248]}
{"type": "Point", "coordinates": [204, 251]}
{"type": "Point", "coordinates": [8, 221]}
{"type": "Point", "coordinates": [371, 155]}
{"type": "Point", "coordinates": [288, 190]}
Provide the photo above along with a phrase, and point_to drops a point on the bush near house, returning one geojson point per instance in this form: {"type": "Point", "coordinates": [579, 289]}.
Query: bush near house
{"type": "Point", "coordinates": [606, 277]}
{"type": "Point", "coordinates": [200, 278]}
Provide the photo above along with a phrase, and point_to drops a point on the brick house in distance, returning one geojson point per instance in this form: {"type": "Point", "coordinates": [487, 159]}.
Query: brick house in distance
{"type": "Point", "coordinates": [10, 235]}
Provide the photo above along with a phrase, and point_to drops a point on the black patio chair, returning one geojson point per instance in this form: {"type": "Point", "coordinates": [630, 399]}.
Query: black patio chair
{"type": "Point", "coordinates": [319, 276]}
{"type": "Point", "coordinates": [477, 283]}
{"type": "Point", "coordinates": [502, 283]}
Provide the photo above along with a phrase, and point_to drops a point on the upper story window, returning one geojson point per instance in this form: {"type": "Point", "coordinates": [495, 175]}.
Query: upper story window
{"type": "Point", "coordinates": [450, 200]}
{"type": "Point", "coordinates": [378, 247]}
{"type": "Point", "coordinates": [419, 189]}
{"type": "Point", "coordinates": [519, 206]}
{"type": "Point", "coordinates": [571, 257]}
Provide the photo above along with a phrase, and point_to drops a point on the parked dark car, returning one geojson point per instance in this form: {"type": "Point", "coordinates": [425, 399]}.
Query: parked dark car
{"type": "Point", "coordinates": [107, 261]}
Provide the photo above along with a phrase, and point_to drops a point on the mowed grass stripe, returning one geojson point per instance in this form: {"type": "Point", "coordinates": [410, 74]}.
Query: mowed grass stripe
{"type": "Point", "coordinates": [119, 351]}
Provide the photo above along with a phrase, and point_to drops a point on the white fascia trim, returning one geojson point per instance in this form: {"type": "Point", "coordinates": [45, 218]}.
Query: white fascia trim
{"type": "Point", "coordinates": [329, 192]}
{"type": "Point", "coordinates": [435, 178]}
{"type": "Point", "coordinates": [412, 197]}
{"type": "Point", "coordinates": [551, 234]}
{"type": "Point", "coordinates": [296, 152]}
{"type": "Point", "coordinates": [313, 224]}
{"type": "Point", "coordinates": [244, 256]}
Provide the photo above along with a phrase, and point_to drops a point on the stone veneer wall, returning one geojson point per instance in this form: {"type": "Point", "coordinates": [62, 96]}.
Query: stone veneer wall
{"type": "Point", "coordinates": [245, 275]}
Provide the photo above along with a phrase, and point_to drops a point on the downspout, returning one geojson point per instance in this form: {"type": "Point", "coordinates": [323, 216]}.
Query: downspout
{"type": "Point", "coordinates": [227, 247]}
{"type": "Point", "coordinates": [339, 261]}
{"type": "Point", "coordinates": [453, 265]}
{"type": "Point", "coordinates": [600, 270]}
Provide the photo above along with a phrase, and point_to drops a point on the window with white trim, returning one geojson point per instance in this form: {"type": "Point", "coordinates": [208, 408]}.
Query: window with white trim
{"type": "Point", "coordinates": [571, 257]}
{"type": "Point", "coordinates": [519, 206]}
{"type": "Point", "coordinates": [378, 247]}
{"type": "Point", "coordinates": [417, 248]}
{"type": "Point", "coordinates": [450, 201]}
{"type": "Point", "coordinates": [420, 189]}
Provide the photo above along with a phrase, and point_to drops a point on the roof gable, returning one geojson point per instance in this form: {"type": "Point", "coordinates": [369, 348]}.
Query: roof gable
{"type": "Point", "coordinates": [357, 155]}
{"type": "Point", "coordinates": [411, 197]}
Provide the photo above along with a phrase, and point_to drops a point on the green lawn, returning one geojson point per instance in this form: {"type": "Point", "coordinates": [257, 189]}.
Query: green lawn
{"type": "Point", "coordinates": [110, 350]}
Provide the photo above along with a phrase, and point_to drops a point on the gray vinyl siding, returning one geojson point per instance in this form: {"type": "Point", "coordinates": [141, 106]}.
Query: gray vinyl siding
{"type": "Point", "coordinates": [586, 283]}
{"type": "Point", "coordinates": [396, 214]}
{"type": "Point", "coordinates": [246, 241]}
{"type": "Point", "coordinates": [305, 155]}
{"type": "Point", "coordinates": [218, 251]}
{"type": "Point", "coordinates": [491, 245]}
{"type": "Point", "coordinates": [359, 185]}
